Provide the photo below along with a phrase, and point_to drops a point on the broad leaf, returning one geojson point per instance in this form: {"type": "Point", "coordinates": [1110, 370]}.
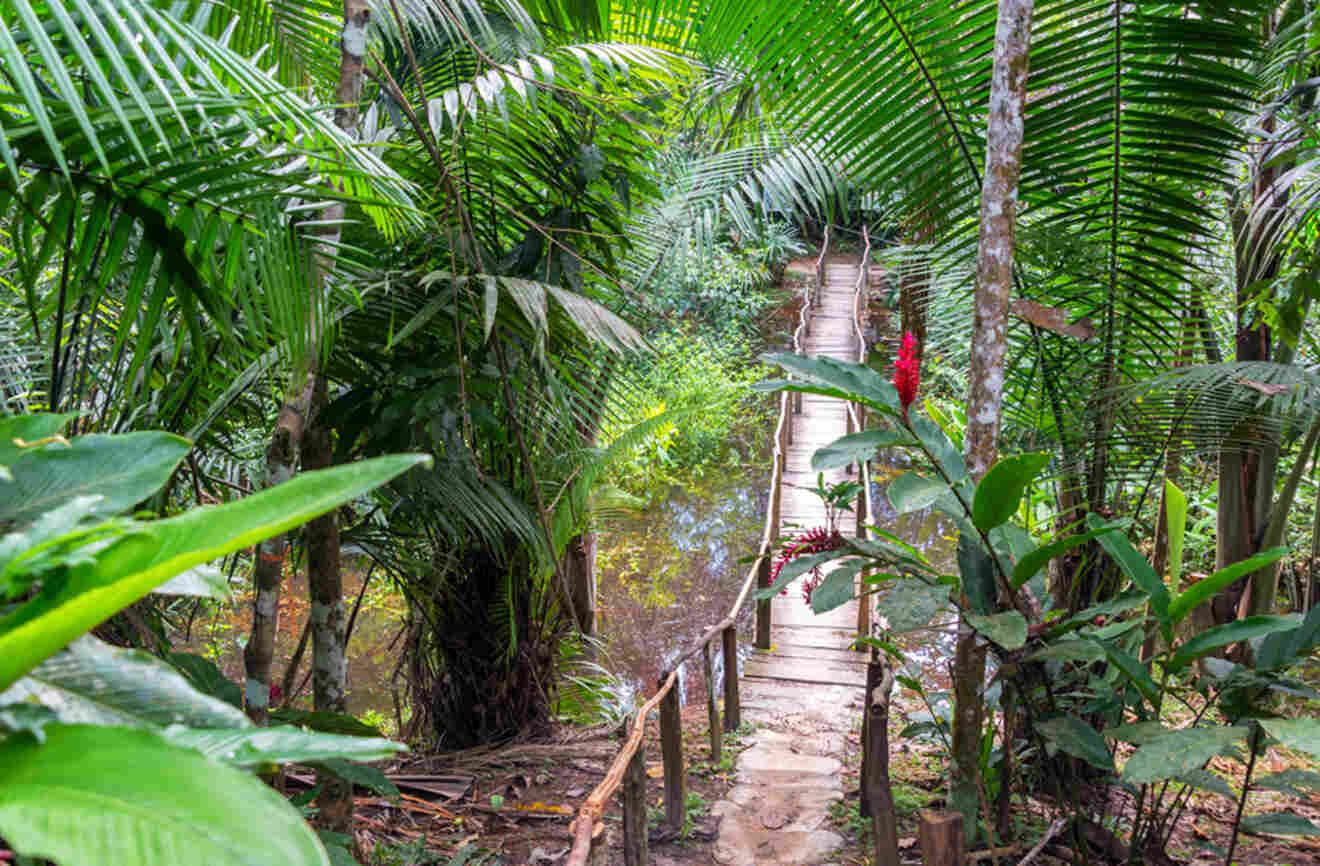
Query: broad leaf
{"type": "Point", "coordinates": [999, 493]}
{"type": "Point", "coordinates": [26, 718]}
{"type": "Point", "coordinates": [1037, 559]}
{"type": "Point", "coordinates": [941, 447]}
{"type": "Point", "coordinates": [834, 378]}
{"type": "Point", "coordinates": [131, 567]}
{"type": "Point", "coordinates": [1296, 783]}
{"type": "Point", "coordinates": [1300, 734]}
{"type": "Point", "coordinates": [1178, 752]}
{"type": "Point", "coordinates": [360, 774]}
{"type": "Point", "coordinates": [911, 604]}
{"type": "Point", "coordinates": [94, 683]}
{"type": "Point", "coordinates": [93, 795]}
{"type": "Point", "coordinates": [1283, 648]}
{"type": "Point", "coordinates": [794, 569]}
{"type": "Point", "coordinates": [123, 470]}
{"type": "Point", "coordinates": [911, 492]}
{"type": "Point", "coordinates": [856, 447]}
{"type": "Point", "coordinates": [1279, 824]}
{"type": "Point", "coordinates": [322, 720]}
{"type": "Point", "coordinates": [1008, 629]}
{"type": "Point", "coordinates": [279, 745]}
{"type": "Point", "coordinates": [1175, 511]}
{"type": "Point", "coordinates": [1207, 781]}
{"type": "Point", "coordinates": [203, 675]}
{"type": "Point", "coordinates": [1136, 567]}
{"type": "Point", "coordinates": [1075, 737]}
{"type": "Point", "coordinates": [1228, 633]}
{"type": "Point", "coordinates": [837, 588]}
{"type": "Point", "coordinates": [28, 429]}
{"type": "Point", "coordinates": [200, 581]}
{"type": "Point", "coordinates": [978, 573]}
{"type": "Point", "coordinates": [1204, 590]}
{"type": "Point", "coordinates": [1132, 668]}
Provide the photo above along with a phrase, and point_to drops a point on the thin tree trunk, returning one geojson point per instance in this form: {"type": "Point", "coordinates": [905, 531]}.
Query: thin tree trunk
{"type": "Point", "coordinates": [994, 280]}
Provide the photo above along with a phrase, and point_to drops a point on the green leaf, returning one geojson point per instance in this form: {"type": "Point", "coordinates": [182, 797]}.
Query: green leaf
{"type": "Point", "coordinates": [833, 378]}
{"type": "Point", "coordinates": [1069, 651]}
{"type": "Point", "coordinates": [92, 682]}
{"type": "Point", "coordinates": [1207, 781]}
{"type": "Point", "coordinates": [999, 493]}
{"type": "Point", "coordinates": [93, 795]}
{"type": "Point", "coordinates": [1204, 590]}
{"type": "Point", "coordinates": [252, 747]}
{"type": "Point", "coordinates": [795, 568]}
{"type": "Point", "coordinates": [131, 567]}
{"type": "Point", "coordinates": [26, 718]}
{"type": "Point", "coordinates": [911, 604]}
{"type": "Point", "coordinates": [1075, 737]}
{"type": "Point", "coordinates": [856, 447]}
{"type": "Point", "coordinates": [203, 675]}
{"type": "Point", "coordinates": [123, 470]}
{"type": "Point", "coordinates": [1008, 629]}
{"type": "Point", "coordinates": [1296, 783]}
{"type": "Point", "coordinates": [1300, 734]}
{"type": "Point", "coordinates": [200, 581]}
{"type": "Point", "coordinates": [940, 446]}
{"type": "Point", "coordinates": [1132, 668]}
{"type": "Point", "coordinates": [911, 492]}
{"type": "Point", "coordinates": [1138, 733]}
{"type": "Point", "coordinates": [1175, 513]}
{"type": "Point", "coordinates": [368, 777]}
{"type": "Point", "coordinates": [978, 573]}
{"type": "Point", "coordinates": [837, 588]}
{"type": "Point", "coordinates": [1279, 824]}
{"type": "Point", "coordinates": [1037, 559]}
{"type": "Point", "coordinates": [1178, 752]}
{"type": "Point", "coordinates": [323, 720]}
{"type": "Point", "coordinates": [28, 428]}
{"type": "Point", "coordinates": [1136, 567]}
{"type": "Point", "coordinates": [1283, 648]}
{"type": "Point", "coordinates": [1228, 633]}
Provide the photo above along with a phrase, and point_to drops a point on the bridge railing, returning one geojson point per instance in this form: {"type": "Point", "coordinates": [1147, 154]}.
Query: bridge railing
{"type": "Point", "coordinates": [628, 770]}
{"type": "Point", "coordinates": [857, 423]}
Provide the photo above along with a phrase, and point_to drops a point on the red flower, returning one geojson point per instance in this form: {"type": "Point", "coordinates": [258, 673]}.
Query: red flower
{"type": "Point", "coordinates": [907, 372]}
{"type": "Point", "coordinates": [816, 540]}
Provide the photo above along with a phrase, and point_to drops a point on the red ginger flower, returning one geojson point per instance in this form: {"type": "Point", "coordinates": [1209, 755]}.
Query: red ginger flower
{"type": "Point", "coordinates": [907, 372]}
{"type": "Point", "coordinates": [817, 540]}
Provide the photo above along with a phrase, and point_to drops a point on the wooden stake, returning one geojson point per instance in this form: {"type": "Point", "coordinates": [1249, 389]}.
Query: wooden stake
{"type": "Point", "coordinates": [875, 782]}
{"type": "Point", "coordinates": [712, 711]}
{"type": "Point", "coordinates": [671, 747]}
{"type": "Point", "coordinates": [941, 835]}
{"type": "Point", "coordinates": [732, 707]}
{"type": "Point", "coordinates": [634, 810]}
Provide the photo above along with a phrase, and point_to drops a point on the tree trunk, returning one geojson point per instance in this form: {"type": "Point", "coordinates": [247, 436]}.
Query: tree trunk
{"type": "Point", "coordinates": [268, 570]}
{"type": "Point", "coordinates": [580, 569]}
{"type": "Point", "coordinates": [994, 280]}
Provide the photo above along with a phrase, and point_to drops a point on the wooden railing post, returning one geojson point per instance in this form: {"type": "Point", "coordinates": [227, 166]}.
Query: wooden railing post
{"type": "Point", "coordinates": [634, 809]}
{"type": "Point", "coordinates": [712, 710]}
{"type": "Point", "coordinates": [877, 795]}
{"type": "Point", "coordinates": [863, 603]}
{"type": "Point", "coordinates": [732, 707]}
{"type": "Point", "coordinates": [763, 605]}
{"type": "Point", "coordinates": [671, 748]}
{"type": "Point", "coordinates": [941, 839]}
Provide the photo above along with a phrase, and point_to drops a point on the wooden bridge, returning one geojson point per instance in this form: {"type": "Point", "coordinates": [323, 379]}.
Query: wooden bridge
{"type": "Point", "coordinates": [803, 682]}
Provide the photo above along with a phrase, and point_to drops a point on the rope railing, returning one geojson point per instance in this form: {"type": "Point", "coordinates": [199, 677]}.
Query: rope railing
{"type": "Point", "coordinates": [628, 770]}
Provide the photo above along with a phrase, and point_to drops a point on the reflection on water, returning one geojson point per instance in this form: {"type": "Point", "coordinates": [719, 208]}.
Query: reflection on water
{"type": "Point", "coordinates": [667, 575]}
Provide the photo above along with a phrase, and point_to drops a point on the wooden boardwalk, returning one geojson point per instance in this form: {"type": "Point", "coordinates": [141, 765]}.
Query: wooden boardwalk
{"type": "Point", "coordinates": [804, 693]}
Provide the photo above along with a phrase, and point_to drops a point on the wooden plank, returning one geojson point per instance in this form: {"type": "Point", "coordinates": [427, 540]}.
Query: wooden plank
{"type": "Point", "coordinates": [805, 671]}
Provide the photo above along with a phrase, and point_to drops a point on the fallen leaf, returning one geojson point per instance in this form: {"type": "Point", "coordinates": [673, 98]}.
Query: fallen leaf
{"type": "Point", "coordinates": [1053, 319]}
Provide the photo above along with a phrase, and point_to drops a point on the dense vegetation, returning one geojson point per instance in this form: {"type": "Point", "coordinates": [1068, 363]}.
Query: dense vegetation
{"type": "Point", "coordinates": [253, 253]}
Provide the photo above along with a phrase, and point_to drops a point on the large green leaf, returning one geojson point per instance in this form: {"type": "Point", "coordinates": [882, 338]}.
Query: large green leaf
{"type": "Point", "coordinates": [837, 587]}
{"type": "Point", "coordinates": [131, 567]}
{"type": "Point", "coordinates": [203, 675]}
{"type": "Point", "coordinates": [999, 493]}
{"type": "Point", "coordinates": [1279, 824]}
{"type": "Point", "coordinates": [1228, 633]}
{"type": "Point", "coordinates": [1204, 590]}
{"type": "Point", "coordinates": [28, 429]}
{"type": "Point", "coordinates": [1283, 648]}
{"type": "Point", "coordinates": [325, 721]}
{"type": "Point", "coordinates": [1178, 752]}
{"type": "Point", "coordinates": [1293, 782]}
{"type": "Point", "coordinates": [1301, 734]}
{"type": "Point", "coordinates": [834, 378]}
{"type": "Point", "coordinates": [794, 569]}
{"type": "Point", "coordinates": [912, 492]}
{"type": "Point", "coordinates": [1135, 566]}
{"type": "Point", "coordinates": [1132, 668]}
{"type": "Point", "coordinates": [1028, 565]}
{"type": "Point", "coordinates": [1008, 628]}
{"type": "Point", "coordinates": [855, 447]}
{"type": "Point", "coordinates": [123, 470]}
{"type": "Point", "coordinates": [1075, 737]}
{"type": "Point", "coordinates": [94, 683]}
{"type": "Point", "coordinates": [911, 604]}
{"type": "Point", "coordinates": [1175, 510]}
{"type": "Point", "coordinates": [280, 745]}
{"type": "Point", "coordinates": [92, 795]}
{"type": "Point", "coordinates": [978, 573]}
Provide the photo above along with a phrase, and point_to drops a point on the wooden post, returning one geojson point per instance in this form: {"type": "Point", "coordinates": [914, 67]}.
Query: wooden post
{"type": "Point", "coordinates": [863, 603]}
{"type": "Point", "coordinates": [941, 836]}
{"type": "Point", "coordinates": [712, 711]}
{"type": "Point", "coordinates": [875, 778]}
{"type": "Point", "coordinates": [763, 605]}
{"type": "Point", "coordinates": [732, 708]}
{"type": "Point", "coordinates": [634, 809]}
{"type": "Point", "coordinates": [671, 747]}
